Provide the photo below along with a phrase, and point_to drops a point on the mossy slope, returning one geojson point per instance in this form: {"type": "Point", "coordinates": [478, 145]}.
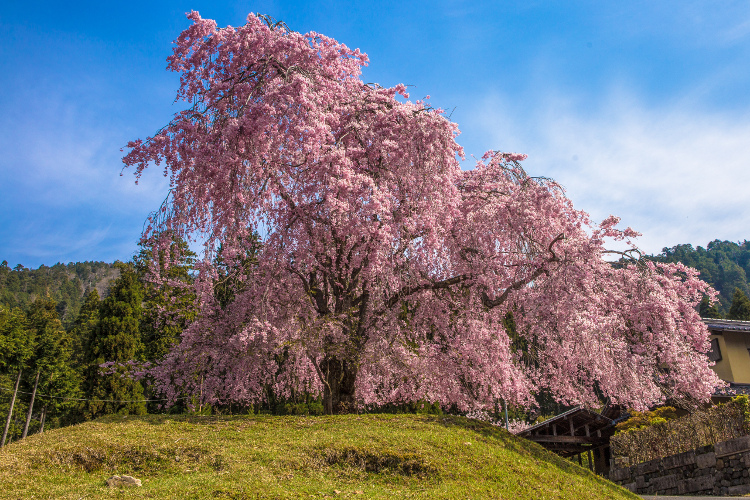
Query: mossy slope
{"type": "Point", "coordinates": [353, 456]}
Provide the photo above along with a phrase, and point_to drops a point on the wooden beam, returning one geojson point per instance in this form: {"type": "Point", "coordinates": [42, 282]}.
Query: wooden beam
{"type": "Point", "coordinates": [564, 439]}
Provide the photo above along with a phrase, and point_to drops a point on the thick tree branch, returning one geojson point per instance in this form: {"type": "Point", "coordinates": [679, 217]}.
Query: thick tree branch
{"type": "Point", "coordinates": [409, 290]}
{"type": "Point", "coordinates": [490, 303]}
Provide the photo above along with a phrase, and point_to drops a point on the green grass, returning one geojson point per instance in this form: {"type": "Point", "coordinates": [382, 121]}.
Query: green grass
{"type": "Point", "coordinates": [243, 457]}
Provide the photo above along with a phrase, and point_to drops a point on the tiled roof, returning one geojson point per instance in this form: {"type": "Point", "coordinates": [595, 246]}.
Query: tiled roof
{"type": "Point", "coordinates": [727, 325]}
{"type": "Point", "coordinates": [734, 390]}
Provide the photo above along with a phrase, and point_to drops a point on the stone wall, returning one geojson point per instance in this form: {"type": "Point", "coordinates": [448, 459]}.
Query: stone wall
{"type": "Point", "coordinates": [720, 469]}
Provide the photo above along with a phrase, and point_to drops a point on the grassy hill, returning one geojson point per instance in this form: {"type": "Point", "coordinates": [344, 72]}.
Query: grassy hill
{"type": "Point", "coordinates": [353, 456]}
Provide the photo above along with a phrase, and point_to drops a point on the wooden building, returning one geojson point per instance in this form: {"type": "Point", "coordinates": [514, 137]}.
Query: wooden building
{"type": "Point", "coordinates": [577, 432]}
{"type": "Point", "coordinates": [730, 349]}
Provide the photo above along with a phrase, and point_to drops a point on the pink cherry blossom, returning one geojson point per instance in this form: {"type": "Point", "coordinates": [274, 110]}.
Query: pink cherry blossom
{"type": "Point", "coordinates": [384, 271]}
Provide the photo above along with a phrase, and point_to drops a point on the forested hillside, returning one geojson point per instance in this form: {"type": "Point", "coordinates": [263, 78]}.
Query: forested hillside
{"type": "Point", "coordinates": [65, 284]}
{"type": "Point", "coordinates": [723, 264]}
{"type": "Point", "coordinates": [64, 322]}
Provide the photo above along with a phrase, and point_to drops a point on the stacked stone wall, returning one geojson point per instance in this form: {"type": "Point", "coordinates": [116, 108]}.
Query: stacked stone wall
{"type": "Point", "coordinates": [720, 469]}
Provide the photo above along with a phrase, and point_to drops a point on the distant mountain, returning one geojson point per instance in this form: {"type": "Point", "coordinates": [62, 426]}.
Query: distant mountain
{"type": "Point", "coordinates": [66, 284]}
{"type": "Point", "coordinates": [725, 265]}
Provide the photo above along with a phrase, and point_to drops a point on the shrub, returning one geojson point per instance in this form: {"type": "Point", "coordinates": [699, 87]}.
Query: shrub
{"type": "Point", "coordinates": [663, 437]}
{"type": "Point", "coordinates": [640, 420]}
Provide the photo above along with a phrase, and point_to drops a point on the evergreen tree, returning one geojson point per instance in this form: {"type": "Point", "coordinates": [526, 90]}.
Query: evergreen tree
{"type": "Point", "coordinates": [708, 310]}
{"type": "Point", "coordinates": [53, 359]}
{"type": "Point", "coordinates": [740, 306]}
{"type": "Point", "coordinates": [169, 299]}
{"type": "Point", "coordinates": [16, 348]}
{"type": "Point", "coordinates": [16, 339]}
{"type": "Point", "coordinates": [84, 325]}
{"type": "Point", "coordinates": [116, 338]}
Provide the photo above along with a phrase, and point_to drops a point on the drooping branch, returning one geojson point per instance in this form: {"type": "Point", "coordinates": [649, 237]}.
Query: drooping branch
{"type": "Point", "coordinates": [490, 303]}
{"type": "Point", "coordinates": [633, 254]}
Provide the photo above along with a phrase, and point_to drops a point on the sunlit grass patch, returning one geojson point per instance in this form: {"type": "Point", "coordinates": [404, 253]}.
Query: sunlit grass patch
{"type": "Point", "coordinates": [243, 457]}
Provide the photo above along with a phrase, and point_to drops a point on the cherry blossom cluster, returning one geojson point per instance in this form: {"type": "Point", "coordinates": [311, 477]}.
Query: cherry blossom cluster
{"type": "Point", "coordinates": [383, 272]}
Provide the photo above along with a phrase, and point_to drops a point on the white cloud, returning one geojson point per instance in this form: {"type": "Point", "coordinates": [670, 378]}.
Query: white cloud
{"type": "Point", "coordinates": [60, 166]}
{"type": "Point", "coordinates": [678, 174]}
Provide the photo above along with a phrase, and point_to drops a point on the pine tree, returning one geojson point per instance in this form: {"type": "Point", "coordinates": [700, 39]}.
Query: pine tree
{"type": "Point", "coordinates": [740, 306]}
{"type": "Point", "coordinates": [53, 359]}
{"type": "Point", "coordinates": [169, 305]}
{"type": "Point", "coordinates": [16, 349]}
{"type": "Point", "coordinates": [116, 338]}
{"type": "Point", "coordinates": [708, 310]}
{"type": "Point", "coordinates": [16, 339]}
{"type": "Point", "coordinates": [84, 325]}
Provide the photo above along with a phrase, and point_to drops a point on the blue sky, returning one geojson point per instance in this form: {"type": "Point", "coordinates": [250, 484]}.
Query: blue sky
{"type": "Point", "coordinates": [639, 109]}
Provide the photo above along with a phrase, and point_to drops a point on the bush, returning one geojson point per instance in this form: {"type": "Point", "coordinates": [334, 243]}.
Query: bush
{"type": "Point", "coordinates": [641, 420]}
{"type": "Point", "coordinates": [311, 408]}
{"type": "Point", "coordinates": [662, 437]}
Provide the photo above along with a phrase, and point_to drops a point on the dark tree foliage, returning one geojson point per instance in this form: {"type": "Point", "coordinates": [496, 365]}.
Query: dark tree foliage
{"type": "Point", "coordinates": [66, 284]}
{"type": "Point", "coordinates": [169, 302]}
{"type": "Point", "coordinates": [708, 310]}
{"type": "Point", "coordinates": [53, 359]}
{"type": "Point", "coordinates": [116, 338]}
{"type": "Point", "coordinates": [740, 306]}
{"type": "Point", "coordinates": [84, 326]}
{"type": "Point", "coordinates": [725, 265]}
{"type": "Point", "coordinates": [16, 339]}
{"type": "Point", "coordinates": [35, 341]}
{"type": "Point", "coordinates": [16, 348]}
{"type": "Point", "coordinates": [231, 280]}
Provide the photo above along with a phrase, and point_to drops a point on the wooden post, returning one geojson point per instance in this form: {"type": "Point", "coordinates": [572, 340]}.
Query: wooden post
{"type": "Point", "coordinates": [591, 461]}
{"type": "Point", "coordinates": [44, 416]}
{"type": "Point", "coordinates": [200, 403]}
{"type": "Point", "coordinates": [31, 406]}
{"type": "Point", "coordinates": [10, 410]}
{"type": "Point", "coordinates": [580, 460]}
{"type": "Point", "coordinates": [505, 408]}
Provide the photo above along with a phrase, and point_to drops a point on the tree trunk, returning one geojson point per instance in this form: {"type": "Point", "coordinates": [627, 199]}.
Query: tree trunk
{"type": "Point", "coordinates": [44, 417]}
{"type": "Point", "coordinates": [340, 377]}
{"type": "Point", "coordinates": [31, 405]}
{"type": "Point", "coordinates": [10, 410]}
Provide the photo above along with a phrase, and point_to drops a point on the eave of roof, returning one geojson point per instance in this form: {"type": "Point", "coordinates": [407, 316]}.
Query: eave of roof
{"type": "Point", "coordinates": [595, 418]}
{"type": "Point", "coordinates": [727, 325]}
